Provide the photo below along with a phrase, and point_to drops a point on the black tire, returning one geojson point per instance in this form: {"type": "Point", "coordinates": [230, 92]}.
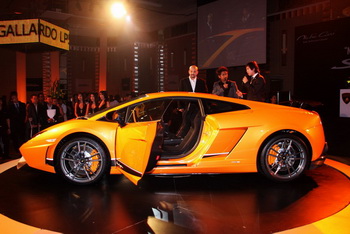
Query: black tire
{"type": "Point", "coordinates": [82, 161]}
{"type": "Point", "coordinates": [284, 158]}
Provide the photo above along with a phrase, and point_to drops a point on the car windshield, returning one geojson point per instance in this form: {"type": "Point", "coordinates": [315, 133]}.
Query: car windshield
{"type": "Point", "coordinates": [123, 102]}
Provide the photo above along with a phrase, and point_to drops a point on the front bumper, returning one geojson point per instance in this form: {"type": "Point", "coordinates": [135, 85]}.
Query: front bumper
{"type": "Point", "coordinates": [21, 162]}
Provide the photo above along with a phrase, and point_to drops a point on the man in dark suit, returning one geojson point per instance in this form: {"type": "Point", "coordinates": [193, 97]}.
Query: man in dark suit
{"type": "Point", "coordinates": [192, 83]}
{"type": "Point", "coordinates": [256, 86]}
{"type": "Point", "coordinates": [17, 115]}
{"type": "Point", "coordinates": [189, 110]}
{"type": "Point", "coordinates": [34, 117]}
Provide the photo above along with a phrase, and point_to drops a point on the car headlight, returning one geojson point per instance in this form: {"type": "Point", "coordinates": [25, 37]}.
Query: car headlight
{"type": "Point", "coordinates": [51, 140]}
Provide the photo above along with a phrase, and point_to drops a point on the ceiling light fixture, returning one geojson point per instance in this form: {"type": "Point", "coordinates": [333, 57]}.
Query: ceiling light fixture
{"type": "Point", "coordinates": [118, 10]}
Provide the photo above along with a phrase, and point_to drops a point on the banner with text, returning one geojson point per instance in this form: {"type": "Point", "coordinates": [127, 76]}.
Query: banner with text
{"type": "Point", "coordinates": [33, 31]}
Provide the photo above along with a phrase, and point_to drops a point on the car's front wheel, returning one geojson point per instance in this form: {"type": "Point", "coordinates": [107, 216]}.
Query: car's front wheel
{"type": "Point", "coordinates": [284, 158]}
{"type": "Point", "coordinates": [82, 161]}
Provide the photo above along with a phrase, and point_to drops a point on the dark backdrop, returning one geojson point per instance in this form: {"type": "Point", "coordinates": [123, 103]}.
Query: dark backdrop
{"type": "Point", "coordinates": [322, 62]}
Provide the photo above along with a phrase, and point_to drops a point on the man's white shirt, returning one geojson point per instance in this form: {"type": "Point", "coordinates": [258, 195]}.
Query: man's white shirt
{"type": "Point", "coordinates": [193, 83]}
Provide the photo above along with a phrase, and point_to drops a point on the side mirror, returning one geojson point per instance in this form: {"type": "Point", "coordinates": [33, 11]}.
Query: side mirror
{"type": "Point", "coordinates": [119, 120]}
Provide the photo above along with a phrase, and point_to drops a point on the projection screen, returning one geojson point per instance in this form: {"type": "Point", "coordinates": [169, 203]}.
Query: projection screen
{"type": "Point", "coordinates": [231, 33]}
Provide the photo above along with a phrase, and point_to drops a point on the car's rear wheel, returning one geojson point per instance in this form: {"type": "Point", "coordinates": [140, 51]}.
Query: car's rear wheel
{"type": "Point", "coordinates": [284, 158]}
{"type": "Point", "coordinates": [82, 161]}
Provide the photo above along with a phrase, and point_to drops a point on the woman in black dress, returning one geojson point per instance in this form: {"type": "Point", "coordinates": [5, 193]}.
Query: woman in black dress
{"type": "Point", "coordinates": [80, 107]}
{"type": "Point", "coordinates": [104, 103]}
{"type": "Point", "coordinates": [92, 104]}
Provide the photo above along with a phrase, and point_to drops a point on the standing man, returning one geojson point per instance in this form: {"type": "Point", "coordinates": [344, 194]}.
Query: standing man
{"type": "Point", "coordinates": [4, 131]}
{"type": "Point", "coordinates": [189, 110]}
{"type": "Point", "coordinates": [17, 115]}
{"type": "Point", "coordinates": [51, 113]}
{"type": "Point", "coordinates": [34, 117]}
{"type": "Point", "coordinates": [225, 87]}
{"type": "Point", "coordinates": [193, 83]}
{"type": "Point", "coordinates": [256, 86]}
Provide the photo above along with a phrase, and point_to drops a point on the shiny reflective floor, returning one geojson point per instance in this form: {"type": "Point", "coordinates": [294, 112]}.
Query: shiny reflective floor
{"type": "Point", "coordinates": [238, 203]}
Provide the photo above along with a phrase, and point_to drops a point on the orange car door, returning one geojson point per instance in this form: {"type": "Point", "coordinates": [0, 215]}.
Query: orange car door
{"type": "Point", "coordinates": [133, 147]}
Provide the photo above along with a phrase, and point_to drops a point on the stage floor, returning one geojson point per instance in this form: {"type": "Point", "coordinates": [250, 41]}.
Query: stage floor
{"type": "Point", "coordinates": [236, 203]}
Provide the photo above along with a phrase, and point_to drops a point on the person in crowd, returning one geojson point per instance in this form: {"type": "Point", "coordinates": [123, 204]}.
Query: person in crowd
{"type": "Point", "coordinates": [60, 117]}
{"type": "Point", "coordinates": [74, 99]}
{"type": "Point", "coordinates": [113, 100]}
{"type": "Point", "coordinates": [225, 87]}
{"type": "Point", "coordinates": [129, 96]}
{"type": "Point", "coordinates": [80, 107]}
{"type": "Point", "coordinates": [41, 99]}
{"type": "Point", "coordinates": [255, 87]}
{"type": "Point", "coordinates": [103, 103]}
{"type": "Point", "coordinates": [64, 108]}
{"type": "Point", "coordinates": [92, 104]}
{"type": "Point", "coordinates": [192, 83]}
{"type": "Point", "coordinates": [4, 131]}
{"type": "Point", "coordinates": [118, 98]}
{"type": "Point", "coordinates": [70, 108]}
{"type": "Point", "coordinates": [51, 113]}
{"type": "Point", "coordinates": [273, 98]}
{"type": "Point", "coordinates": [17, 115]}
{"type": "Point", "coordinates": [34, 117]}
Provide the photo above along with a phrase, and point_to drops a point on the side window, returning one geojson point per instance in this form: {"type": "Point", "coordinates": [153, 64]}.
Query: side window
{"type": "Point", "coordinates": [113, 115]}
{"type": "Point", "coordinates": [214, 106]}
{"type": "Point", "coordinates": [148, 111]}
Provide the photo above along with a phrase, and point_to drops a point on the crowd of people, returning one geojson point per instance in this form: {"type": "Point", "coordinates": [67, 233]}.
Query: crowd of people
{"type": "Point", "coordinates": [21, 121]}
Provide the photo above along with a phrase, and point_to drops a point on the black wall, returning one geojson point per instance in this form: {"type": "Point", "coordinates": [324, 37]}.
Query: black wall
{"type": "Point", "coordinates": [322, 62]}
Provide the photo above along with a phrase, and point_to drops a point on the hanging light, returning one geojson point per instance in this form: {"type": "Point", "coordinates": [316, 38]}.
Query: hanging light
{"type": "Point", "coordinates": [118, 10]}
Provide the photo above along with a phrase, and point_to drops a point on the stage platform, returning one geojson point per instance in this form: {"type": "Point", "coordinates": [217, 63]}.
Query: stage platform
{"type": "Point", "coordinates": [33, 201]}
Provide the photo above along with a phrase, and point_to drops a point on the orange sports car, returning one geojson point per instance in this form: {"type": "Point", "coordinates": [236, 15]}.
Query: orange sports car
{"type": "Point", "coordinates": [179, 133]}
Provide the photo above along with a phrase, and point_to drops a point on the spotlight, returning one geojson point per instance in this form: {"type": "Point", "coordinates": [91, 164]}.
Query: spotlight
{"type": "Point", "coordinates": [118, 10]}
